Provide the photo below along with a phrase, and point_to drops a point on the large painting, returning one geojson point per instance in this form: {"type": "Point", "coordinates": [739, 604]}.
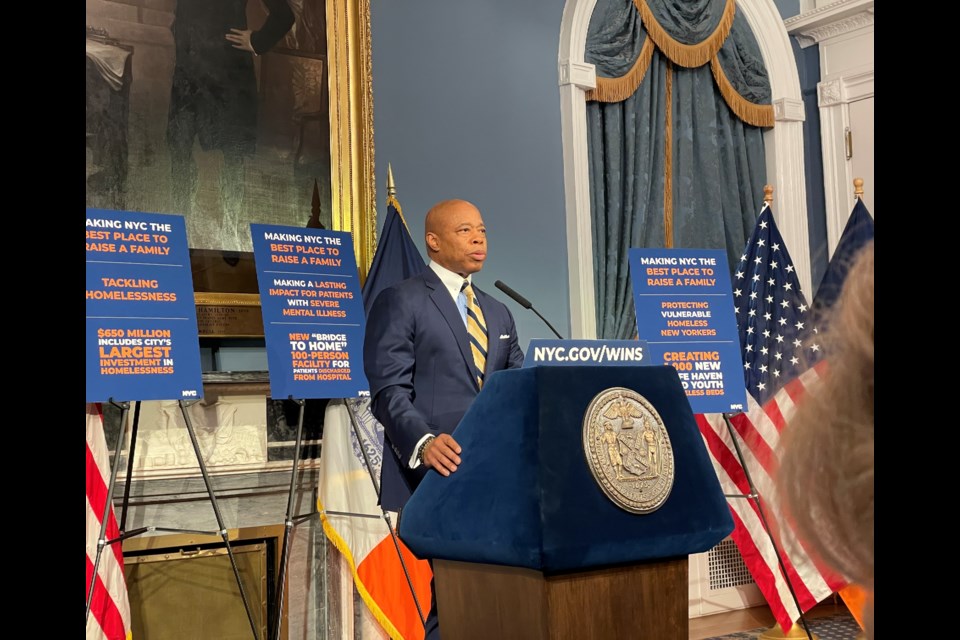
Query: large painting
{"type": "Point", "coordinates": [220, 110]}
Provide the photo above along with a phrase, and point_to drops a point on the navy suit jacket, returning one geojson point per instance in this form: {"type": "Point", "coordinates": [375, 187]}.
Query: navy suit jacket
{"type": "Point", "coordinates": [417, 358]}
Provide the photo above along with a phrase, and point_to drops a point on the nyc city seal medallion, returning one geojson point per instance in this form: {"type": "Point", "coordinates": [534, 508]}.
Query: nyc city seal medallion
{"type": "Point", "coordinates": [628, 450]}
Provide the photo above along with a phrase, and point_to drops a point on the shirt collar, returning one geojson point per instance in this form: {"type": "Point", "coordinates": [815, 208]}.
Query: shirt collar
{"type": "Point", "coordinates": [451, 281]}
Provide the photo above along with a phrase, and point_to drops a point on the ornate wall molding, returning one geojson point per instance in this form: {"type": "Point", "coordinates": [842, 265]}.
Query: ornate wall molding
{"type": "Point", "coordinates": [789, 110]}
{"type": "Point", "coordinates": [830, 21]}
{"type": "Point", "coordinates": [835, 97]}
{"type": "Point", "coordinates": [843, 31]}
{"type": "Point", "coordinates": [829, 93]}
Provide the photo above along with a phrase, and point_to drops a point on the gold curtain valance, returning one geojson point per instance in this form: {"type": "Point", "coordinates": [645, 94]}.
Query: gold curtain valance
{"type": "Point", "coordinates": [687, 55]}
{"type": "Point", "coordinates": [617, 89]}
{"type": "Point", "coordinates": [758, 115]}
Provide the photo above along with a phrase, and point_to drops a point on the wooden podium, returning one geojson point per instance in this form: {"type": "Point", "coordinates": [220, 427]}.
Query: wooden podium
{"type": "Point", "coordinates": [483, 601]}
{"type": "Point", "coordinates": [526, 544]}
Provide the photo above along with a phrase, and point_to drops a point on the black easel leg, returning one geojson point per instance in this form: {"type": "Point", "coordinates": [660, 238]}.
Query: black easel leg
{"type": "Point", "coordinates": [216, 510]}
{"type": "Point", "coordinates": [288, 523]}
{"type": "Point", "coordinates": [130, 457]}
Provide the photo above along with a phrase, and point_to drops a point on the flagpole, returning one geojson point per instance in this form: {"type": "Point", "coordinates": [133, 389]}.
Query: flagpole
{"type": "Point", "coordinates": [857, 195]}
{"type": "Point", "coordinates": [773, 632]}
{"type": "Point", "coordinates": [392, 196]}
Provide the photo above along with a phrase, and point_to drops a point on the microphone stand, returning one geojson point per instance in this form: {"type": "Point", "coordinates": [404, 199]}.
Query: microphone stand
{"type": "Point", "coordinates": [523, 302]}
{"type": "Point", "coordinates": [556, 333]}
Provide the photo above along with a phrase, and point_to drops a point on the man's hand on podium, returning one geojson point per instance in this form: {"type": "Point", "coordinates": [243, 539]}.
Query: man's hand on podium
{"type": "Point", "coordinates": [442, 454]}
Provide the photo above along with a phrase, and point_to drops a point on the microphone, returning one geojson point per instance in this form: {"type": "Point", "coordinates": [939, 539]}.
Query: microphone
{"type": "Point", "coordinates": [523, 302]}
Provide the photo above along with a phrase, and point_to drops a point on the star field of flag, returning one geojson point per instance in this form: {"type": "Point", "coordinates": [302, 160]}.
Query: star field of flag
{"type": "Point", "coordinates": [772, 314]}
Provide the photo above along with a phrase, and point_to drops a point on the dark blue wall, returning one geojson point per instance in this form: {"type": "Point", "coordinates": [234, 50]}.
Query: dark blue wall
{"type": "Point", "coordinates": [808, 67]}
{"type": "Point", "coordinates": [787, 8]}
{"type": "Point", "coordinates": [467, 105]}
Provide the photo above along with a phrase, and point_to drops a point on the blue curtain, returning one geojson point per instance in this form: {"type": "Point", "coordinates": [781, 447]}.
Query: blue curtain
{"type": "Point", "coordinates": [675, 137]}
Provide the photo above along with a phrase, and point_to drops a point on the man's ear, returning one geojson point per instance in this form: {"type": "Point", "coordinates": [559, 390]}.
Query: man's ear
{"type": "Point", "coordinates": [433, 242]}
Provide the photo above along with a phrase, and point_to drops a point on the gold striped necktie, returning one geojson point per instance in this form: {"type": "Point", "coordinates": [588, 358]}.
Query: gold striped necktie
{"type": "Point", "coordinates": [477, 330]}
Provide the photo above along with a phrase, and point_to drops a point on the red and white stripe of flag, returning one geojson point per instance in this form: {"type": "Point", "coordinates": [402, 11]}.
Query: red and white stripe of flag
{"type": "Point", "coordinates": [110, 609]}
{"type": "Point", "coordinates": [759, 430]}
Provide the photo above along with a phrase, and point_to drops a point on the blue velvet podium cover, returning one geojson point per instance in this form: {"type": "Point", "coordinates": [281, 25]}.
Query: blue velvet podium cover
{"type": "Point", "coordinates": [525, 497]}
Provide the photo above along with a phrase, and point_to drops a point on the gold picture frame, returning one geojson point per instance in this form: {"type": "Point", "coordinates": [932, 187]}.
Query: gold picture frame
{"type": "Point", "coordinates": [351, 126]}
{"type": "Point", "coordinates": [132, 67]}
{"type": "Point", "coordinates": [352, 182]}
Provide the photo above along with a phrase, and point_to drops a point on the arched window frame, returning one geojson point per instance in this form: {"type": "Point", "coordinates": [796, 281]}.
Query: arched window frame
{"type": "Point", "coordinates": [783, 144]}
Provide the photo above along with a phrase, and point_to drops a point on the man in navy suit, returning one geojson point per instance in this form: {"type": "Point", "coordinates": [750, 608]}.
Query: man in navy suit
{"type": "Point", "coordinates": [423, 350]}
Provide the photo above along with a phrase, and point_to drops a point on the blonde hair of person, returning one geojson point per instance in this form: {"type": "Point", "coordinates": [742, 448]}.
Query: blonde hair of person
{"type": "Point", "coordinates": [826, 475]}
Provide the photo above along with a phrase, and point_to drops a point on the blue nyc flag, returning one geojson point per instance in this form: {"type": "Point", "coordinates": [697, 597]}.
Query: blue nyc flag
{"type": "Point", "coordinates": [858, 232]}
{"type": "Point", "coordinates": [397, 257]}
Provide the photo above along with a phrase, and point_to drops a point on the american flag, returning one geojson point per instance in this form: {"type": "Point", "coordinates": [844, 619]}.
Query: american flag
{"type": "Point", "coordinates": [771, 312]}
{"type": "Point", "coordinates": [773, 322]}
{"type": "Point", "coordinates": [109, 617]}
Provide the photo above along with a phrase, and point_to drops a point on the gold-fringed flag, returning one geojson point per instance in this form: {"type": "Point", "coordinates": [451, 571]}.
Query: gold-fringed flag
{"type": "Point", "coordinates": [350, 462]}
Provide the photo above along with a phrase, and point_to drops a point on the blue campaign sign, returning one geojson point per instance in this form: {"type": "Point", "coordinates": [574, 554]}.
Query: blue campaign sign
{"type": "Point", "coordinates": [142, 339]}
{"type": "Point", "coordinates": [611, 353]}
{"type": "Point", "coordinates": [684, 306]}
{"type": "Point", "coordinates": [313, 317]}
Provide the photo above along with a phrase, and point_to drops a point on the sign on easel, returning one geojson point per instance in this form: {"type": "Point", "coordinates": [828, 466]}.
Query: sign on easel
{"type": "Point", "coordinates": [685, 313]}
{"type": "Point", "coordinates": [141, 335]}
{"type": "Point", "coordinates": [313, 318]}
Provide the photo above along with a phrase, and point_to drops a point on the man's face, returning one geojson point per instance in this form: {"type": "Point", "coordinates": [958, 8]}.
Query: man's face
{"type": "Point", "coordinates": [459, 239]}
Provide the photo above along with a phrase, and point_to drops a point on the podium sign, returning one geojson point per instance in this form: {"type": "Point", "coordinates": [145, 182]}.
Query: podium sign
{"type": "Point", "coordinates": [685, 312]}
{"type": "Point", "coordinates": [573, 353]}
{"type": "Point", "coordinates": [141, 320]}
{"type": "Point", "coordinates": [313, 316]}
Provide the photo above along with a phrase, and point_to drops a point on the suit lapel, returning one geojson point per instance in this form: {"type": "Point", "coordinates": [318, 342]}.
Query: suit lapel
{"type": "Point", "coordinates": [448, 309]}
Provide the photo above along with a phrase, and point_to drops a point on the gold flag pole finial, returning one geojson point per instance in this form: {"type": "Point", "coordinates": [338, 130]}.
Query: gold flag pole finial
{"type": "Point", "coordinates": [768, 194]}
{"type": "Point", "coordinates": [858, 188]}
{"type": "Point", "coordinates": [392, 195]}
{"type": "Point", "coordinates": [391, 187]}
